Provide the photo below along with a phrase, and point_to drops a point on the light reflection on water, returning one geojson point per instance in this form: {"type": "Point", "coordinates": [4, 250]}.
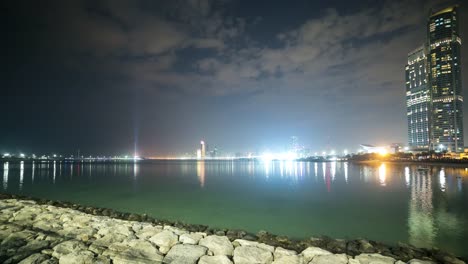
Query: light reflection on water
{"type": "Point", "coordinates": [426, 207]}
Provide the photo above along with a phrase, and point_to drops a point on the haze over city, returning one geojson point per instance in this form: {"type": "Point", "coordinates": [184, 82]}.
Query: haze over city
{"type": "Point", "coordinates": [106, 77]}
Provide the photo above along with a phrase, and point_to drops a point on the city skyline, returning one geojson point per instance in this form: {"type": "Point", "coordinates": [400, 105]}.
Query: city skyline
{"type": "Point", "coordinates": [159, 77]}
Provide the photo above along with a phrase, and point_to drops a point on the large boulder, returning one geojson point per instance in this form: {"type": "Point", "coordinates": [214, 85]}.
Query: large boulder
{"type": "Point", "coordinates": [68, 247]}
{"type": "Point", "coordinates": [184, 254]}
{"type": "Point", "coordinates": [374, 259]}
{"type": "Point", "coordinates": [292, 259]}
{"type": "Point", "coordinates": [35, 259]}
{"type": "Point", "coordinates": [219, 259]}
{"type": "Point", "coordinates": [330, 259]}
{"type": "Point", "coordinates": [134, 251]}
{"type": "Point", "coordinates": [217, 245]}
{"type": "Point", "coordinates": [310, 252]}
{"type": "Point", "coordinates": [252, 255]}
{"type": "Point", "coordinates": [192, 238]}
{"type": "Point", "coordinates": [82, 257]}
{"type": "Point", "coordinates": [281, 252]}
{"type": "Point", "coordinates": [164, 240]}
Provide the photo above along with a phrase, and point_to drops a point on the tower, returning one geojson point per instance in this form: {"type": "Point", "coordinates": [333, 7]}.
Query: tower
{"type": "Point", "coordinates": [418, 100]}
{"type": "Point", "coordinates": [444, 75]}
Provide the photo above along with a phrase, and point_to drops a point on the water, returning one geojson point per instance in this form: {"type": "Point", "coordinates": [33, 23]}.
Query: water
{"type": "Point", "coordinates": [384, 202]}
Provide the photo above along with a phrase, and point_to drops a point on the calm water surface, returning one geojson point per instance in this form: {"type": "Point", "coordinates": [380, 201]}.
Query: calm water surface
{"type": "Point", "coordinates": [384, 202]}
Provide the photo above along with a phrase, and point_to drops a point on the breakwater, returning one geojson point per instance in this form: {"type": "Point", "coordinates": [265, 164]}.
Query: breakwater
{"type": "Point", "coordinates": [43, 231]}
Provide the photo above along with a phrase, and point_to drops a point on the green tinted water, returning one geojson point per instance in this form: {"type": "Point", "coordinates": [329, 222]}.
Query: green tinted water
{"type": "Point", "coordinates": [384, 202]}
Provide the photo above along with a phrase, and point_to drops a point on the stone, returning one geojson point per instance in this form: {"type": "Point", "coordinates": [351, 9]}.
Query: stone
{"type": "Point", "coordinates": [134, 251]}
{"type": "Point", "coordinates": [310, 252]}
{"type": "Point", "coordinates": [34, 259]}
{"type": "Point", "coordinates": [293, 259]}
{"type": "Point", "coordinates": [68, 247]}
{"type": "Point", "coordinates": [218, 245]}
{"type": "Point", "coordinates": [417, 261]}
{"type": "Point", "coordinates": [184, 254]}
{"type": "Point", "coordinates": [219, 259]}
{"type": "Point", "coordinates": [164, 240]}
{"type": "Point", "coordinates": [281, 252]}
{"type": "Point", "coordinates": [148, 231]}
{"type": "Point", "coordinates": [82, 257]}
{"type": "Point", "coordinates": [374, 259]}
{"type": "Point", "coordinates": [192, 238]}
{"type": "Point", "coordinates": [252, 255]}
{"type": "Point", "coordinates": [175, 230]}
{"type": "Point", "coordinates": [330, 259]}
{"type": "Point", "coordinates": [243, 242]}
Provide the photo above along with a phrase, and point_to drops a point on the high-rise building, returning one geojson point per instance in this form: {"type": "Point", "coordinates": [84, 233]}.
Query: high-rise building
{"type": "Point", "coordinates": [444, 77]}
{"type": "Point", "coordinates": [417, 100]}
{"type": "Point", "coordinates": [203, 149]}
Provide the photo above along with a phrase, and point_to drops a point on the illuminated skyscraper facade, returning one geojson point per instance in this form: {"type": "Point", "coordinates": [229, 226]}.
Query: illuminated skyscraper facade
{"type": "Point", "coordinates": [203, 149]}
{"type": "Point", "coordinates": [434, 98]}
{"type": "Point", "coordinates": [417, 99]}
{"type": "Point", "coordinates": [444, 78]}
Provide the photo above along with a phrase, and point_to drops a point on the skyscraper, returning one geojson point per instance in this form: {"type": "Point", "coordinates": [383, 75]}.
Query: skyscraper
{"type": "Point", "coordinates": [434, 98]}
{"type": "Point", "coordinates": [417, 99]}
{"type": "Point", "coordinates": [203, 149]}
{"type": "Point", "coordinates": [444, 77]}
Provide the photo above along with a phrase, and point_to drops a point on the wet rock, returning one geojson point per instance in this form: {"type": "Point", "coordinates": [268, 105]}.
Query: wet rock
{"type": "Point", "coordinates": [217, 245]}
{"type": "Point", "coordinates": [164, 240]}
{"type": "Point", "coordinates": [330, 259]}
{"type": "Point", "coordinates": [235, 234]}
{"type": "Point", "coordinates": [365, 246]}
{"type": "Point", "coordinates": [219, 259]}
{"type": "Point", "coordinates": [310, 252]}
{"type": "Point", "coordinates": [374, 259]}
{"type": "Point", "coordinates": [250, 237]}
{"type": "Point", "coordinates": [252, 255]}
{"type": "Point", "coordinates": [148, 231]}
{"type": "Point", "coordinates": [184, 254]}
{"type": "Point", "coordinates": [337, 246]}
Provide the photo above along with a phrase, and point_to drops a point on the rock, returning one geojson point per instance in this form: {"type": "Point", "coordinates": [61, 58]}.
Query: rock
{"type": "Point", "coordinates": [175, 230]}
{"type": "Point", "coordinates": [219, 259]}
{"type": "Point", "coordinates": [184, 254]}
{"type": "Point", "coordinates": [310, 252]}
{"type": "Point", "coordinates": [337, 246]}
{"type": "Point", "coordinates": [134, 251]}
{"type": "Point", "coordinates": [82, 257]}
{"type": "Point", "coordinates": [374, 259]}
{"type": "Point", "coordinates": [191, 238]}
{"type": "Point", "coordinates": [365, 246]}
{"type": "Point", "coordinates": [417, 261]}
{"type": "Point", "coordinates": [252, 255]}
{"type": "Point", "coordinates": [218, 245]}
{"type": "Point", "coordinates": [242, 242]}
{"type": "Point", "coordinates": [330, 259]}
{"type": "Point", "coordinates": [164, 240]}
{"type": "Point", "coordinates": [281, 252]}
{"type": "Point", "coordinates": [148, 231]}
{"type": "Point", "coordinates": [68, 247]}
{"type": "Point", "coordinates": [235, 234]}
{"type": "Point", "coordinates": [294, 259]}
{"type": "Point", "coordinates": [35, 259]}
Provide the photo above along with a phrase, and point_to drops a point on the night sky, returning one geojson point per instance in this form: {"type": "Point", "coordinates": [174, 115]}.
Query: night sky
{"type": "Point", "coordinates": [102, 76]}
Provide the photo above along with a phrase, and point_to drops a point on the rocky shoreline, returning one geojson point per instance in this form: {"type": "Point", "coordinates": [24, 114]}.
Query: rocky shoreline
{"type": "Point", "coordinates": [44, 231]}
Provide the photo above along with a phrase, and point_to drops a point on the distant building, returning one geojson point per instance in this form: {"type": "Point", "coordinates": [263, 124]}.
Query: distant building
{"type": "Point", "coordinates": [203, 149]}
{"type": "Point", "coordinates": [417, 100]}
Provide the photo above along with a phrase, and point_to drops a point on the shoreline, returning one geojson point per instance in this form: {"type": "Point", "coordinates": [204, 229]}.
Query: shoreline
{"type": "Point", "coordinates": [345, 251]}
{"type": "Point", "coordinates": [423, 163]}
